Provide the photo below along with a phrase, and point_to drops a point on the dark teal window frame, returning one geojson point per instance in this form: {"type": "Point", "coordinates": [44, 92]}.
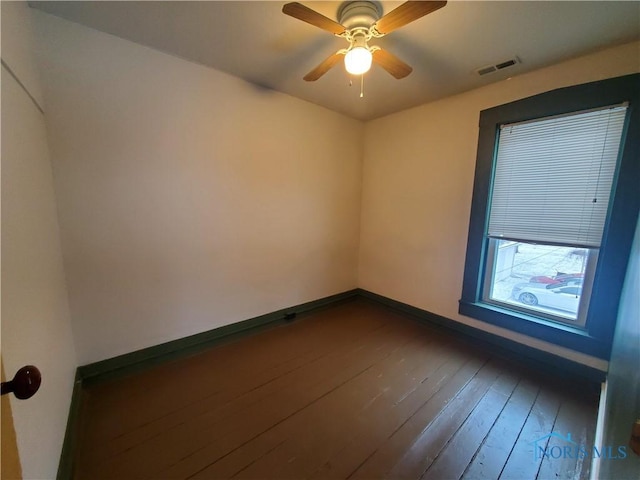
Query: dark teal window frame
{"type": "Point", "coordinates": [595, 339]}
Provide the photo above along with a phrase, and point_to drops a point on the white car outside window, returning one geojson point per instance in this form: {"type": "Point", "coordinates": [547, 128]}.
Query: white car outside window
{"type": "Point", "coordinates": [565, 298]}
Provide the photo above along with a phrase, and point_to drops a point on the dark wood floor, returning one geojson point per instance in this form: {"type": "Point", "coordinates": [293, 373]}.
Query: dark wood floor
{"type": "Point", "coordinates": [354, 391]}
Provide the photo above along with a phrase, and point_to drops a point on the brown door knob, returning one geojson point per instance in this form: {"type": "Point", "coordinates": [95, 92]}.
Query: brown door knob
{"type": "Point", "coordinates": [25, 383]}
{"type": "Point", "coordinates": [635, 437]}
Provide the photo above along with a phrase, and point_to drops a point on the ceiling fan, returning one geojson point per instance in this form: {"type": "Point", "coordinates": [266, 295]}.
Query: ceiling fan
{"type": "Point", "coordinates": [359, 22]}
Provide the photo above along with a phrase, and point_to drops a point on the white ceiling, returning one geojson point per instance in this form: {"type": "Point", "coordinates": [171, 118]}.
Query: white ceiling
{"type": "Point", "coordinates": [255, 41]}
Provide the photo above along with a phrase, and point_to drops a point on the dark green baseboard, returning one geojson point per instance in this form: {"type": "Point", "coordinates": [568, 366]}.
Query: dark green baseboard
{"type": "Point", "coordinates": [501, 346]}
{"type": "Point", "coordinates": [71, 440]}
{"type": "Point", "coordinates": [183, 347]}
{"type": "Point", "coordinates": [147, 357]}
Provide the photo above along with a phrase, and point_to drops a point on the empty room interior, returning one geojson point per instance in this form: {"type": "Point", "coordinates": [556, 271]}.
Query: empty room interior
{"type": "Point", "coordinates": [329, 240]}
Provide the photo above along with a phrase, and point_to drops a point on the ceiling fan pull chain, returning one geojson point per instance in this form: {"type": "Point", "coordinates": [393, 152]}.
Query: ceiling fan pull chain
{"type": "Point", "coordinates": [361, 86]}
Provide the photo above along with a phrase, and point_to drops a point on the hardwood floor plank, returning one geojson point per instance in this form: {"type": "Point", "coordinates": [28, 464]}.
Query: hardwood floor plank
{"type": "Point", "coordinates": [457, 454]}
{"type": "Point", "coordinates": [494, 452]}
{"type": "Point", "coordinates": [362, 442]}
{"type": "Point", "coordinates": [350, 406]}
{"type": "Point", "coordinates": [338, 406]}
{"type": "Point", "coordinates": [522, 463]}
{"type": "Point", "coordinates": [386, 456]}
{"type": "Point", "coordinates": [437, 434]}
{"type": "Point", "coordinates": [576, 418]}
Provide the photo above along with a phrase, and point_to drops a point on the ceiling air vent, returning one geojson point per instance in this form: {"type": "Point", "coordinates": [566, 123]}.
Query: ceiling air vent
{"type": "Point", "coordinates": [499, 66]}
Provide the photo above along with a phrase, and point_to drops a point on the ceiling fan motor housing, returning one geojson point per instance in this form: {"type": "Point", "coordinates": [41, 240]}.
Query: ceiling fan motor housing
{"type": "Point", "coordinates": [359, 14]}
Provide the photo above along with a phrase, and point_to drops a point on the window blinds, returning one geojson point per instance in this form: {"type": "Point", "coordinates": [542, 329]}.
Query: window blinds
{"type": "Point", "coordinates": [553, 178]}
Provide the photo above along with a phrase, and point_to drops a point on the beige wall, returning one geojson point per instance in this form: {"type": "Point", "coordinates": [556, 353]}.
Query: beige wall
{"type": "Point", "coordinates": [417, 185]}
{"type": "Point", "coordinates": [189, 199]}
{"type": "Point", "coordinates": [35, 314]}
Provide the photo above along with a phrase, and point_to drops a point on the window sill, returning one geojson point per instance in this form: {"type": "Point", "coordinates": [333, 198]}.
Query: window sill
{"type": "Point", "coordinates": [563, 335]}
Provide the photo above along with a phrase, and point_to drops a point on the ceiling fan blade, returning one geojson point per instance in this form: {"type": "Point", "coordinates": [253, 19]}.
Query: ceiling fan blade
{"type": "Point", "coordinates": [406, 13]}
{"type": "Point", "coordinates": [391, 63]}
{"type": "Point", "coordinates": [299, 11]}
{"type": "Point", "coordinates": [324, 67]}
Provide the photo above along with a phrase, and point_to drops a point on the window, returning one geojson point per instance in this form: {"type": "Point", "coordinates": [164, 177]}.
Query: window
{"type": "Point", "coordinates": [552, 179]}
{"type": "Point", "coordinates": [554, 208]}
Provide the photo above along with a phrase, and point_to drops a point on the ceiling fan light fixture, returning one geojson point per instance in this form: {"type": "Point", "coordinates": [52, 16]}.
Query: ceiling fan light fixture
{"type": "Point", "coordinates": [357, 61]}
